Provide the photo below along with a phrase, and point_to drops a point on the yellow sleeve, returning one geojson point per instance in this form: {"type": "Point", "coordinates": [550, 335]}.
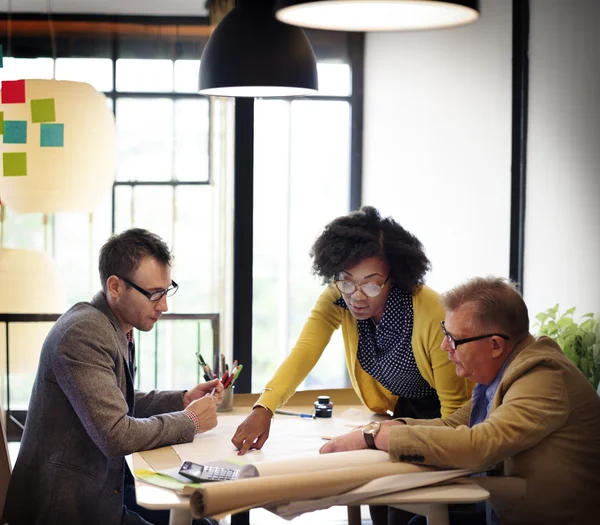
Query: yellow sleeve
{"type": "Point", "coordinates": [432, 361]}
{"type": "Point", "coordinates": [324, 319]}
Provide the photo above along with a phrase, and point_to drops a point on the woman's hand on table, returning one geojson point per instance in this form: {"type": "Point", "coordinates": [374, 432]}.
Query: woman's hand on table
{"type": "Point", "coordinates": [253, 431]}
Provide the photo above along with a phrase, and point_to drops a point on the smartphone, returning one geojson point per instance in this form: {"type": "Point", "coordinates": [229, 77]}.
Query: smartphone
{"type": "Point", "coordinates": [201, 473]}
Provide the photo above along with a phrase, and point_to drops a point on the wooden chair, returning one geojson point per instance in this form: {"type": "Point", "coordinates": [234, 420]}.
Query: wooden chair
{"type": "Point", "coordinates": [5, 466]}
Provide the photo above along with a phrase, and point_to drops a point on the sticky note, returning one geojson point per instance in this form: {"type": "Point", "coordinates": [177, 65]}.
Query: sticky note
{"type": "Point", "coordinates": [42, 110]}
{"type": "Point", "coordinates": [15, 164]}
{"type": "Point", "coordinates": [1, 122]}
{"type": "Point", "coordinates": [52, 135]}
{"type": "Point", "coordinates": [13, 92]}
{"type": "Point", "coordinates": [15, 132]}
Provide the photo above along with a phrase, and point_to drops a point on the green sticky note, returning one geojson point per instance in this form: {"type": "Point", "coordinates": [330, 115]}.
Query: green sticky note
{"type": "Point", "coordinates": [15, 164]}
{"type": "Point", "coordinates": [42, 110]}
{"type": "Point", "coordinates": [1, 122]}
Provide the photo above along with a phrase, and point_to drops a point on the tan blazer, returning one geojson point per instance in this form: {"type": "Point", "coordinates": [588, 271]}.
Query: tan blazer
{"type": "Point", "coordinates": [543, 426]}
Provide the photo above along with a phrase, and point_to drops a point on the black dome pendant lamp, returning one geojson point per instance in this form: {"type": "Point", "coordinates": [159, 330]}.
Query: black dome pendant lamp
{"type": "Point", "coordinates": [377, 15]}
{"type": "Point", "coordinates": [252, 54]}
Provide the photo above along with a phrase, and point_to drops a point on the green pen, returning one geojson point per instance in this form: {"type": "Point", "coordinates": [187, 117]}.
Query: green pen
{"type": "Point", "coordinates": [235, 375]}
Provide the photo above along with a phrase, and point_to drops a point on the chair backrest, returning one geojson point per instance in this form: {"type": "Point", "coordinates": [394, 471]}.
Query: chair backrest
{"type": "Point", "coordinates": [5, 466]}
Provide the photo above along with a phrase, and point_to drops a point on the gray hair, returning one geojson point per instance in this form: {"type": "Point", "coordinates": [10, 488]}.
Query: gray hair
{"type": "Point", "coordinates": [495, 302]}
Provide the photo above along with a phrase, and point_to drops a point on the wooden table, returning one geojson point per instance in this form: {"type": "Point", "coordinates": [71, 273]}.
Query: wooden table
{"type": "Point", "coordinates": [306, 435]}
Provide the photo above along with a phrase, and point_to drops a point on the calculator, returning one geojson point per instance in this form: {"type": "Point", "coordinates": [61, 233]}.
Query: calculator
{"type": "Point", "coordinates": [201, 473]}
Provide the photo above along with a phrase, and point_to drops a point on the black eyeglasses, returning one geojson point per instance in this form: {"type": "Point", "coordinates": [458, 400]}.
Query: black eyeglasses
{"type": "Point", "coordinates": [456, 342]}
{"type": "Point", "coordinates": [154, 296]}
{"type": "Point", "coordinates": [369, 289]}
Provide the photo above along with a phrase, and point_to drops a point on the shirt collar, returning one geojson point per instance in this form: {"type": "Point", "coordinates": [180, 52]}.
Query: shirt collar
{"type": "Point", "coordinates": [490, 390]}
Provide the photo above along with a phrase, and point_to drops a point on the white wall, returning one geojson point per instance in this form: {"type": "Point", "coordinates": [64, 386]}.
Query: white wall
{"type": "Point", "coordinates": [437, 140]}
{"type": "Point", "coordinates": [562, 257]}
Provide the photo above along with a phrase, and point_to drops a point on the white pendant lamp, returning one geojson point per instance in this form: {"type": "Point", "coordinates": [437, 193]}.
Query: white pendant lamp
{"type": "Point", "coordinates": [58, 146]}
{"type": "Point", "coordinates": [377, 15]}
{"type": "Point", "coordinates": [29, 284]}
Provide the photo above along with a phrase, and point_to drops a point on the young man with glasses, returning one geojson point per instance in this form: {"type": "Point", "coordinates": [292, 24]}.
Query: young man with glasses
{"type": "Point", "coordinates": [84, 415]}
{"type": "Point", "coordinates": [533, 415]}
{"type": "Point", "coordinates": [390, 323]}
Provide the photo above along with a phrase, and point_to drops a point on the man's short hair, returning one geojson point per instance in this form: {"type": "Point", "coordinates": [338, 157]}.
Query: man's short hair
{"type": "Point", "coordinates": [122, 254]}
{"type": "Point", "coordinates": [496, 305]}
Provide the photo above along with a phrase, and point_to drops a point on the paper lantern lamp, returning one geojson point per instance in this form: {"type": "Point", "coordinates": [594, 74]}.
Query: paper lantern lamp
{"type": "Point", "coordinates": [29, 284]}
{"type": "Point", "coordinates": [58, 146]}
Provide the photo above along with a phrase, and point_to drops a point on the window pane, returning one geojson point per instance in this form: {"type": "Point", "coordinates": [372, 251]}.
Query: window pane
{"type": "Point", "coordinates": [301, 156]}
{"type": "Point", "coordinates": [319, 174]}
{"type": "Point", "coordinates": [191, 139]}
{"type": "Point", "coordinates": [195, 259]}
{"type": "Point", "coordinates": [95, 71]}
{"type": "Point", "coordinates": [334, 80]}
{"type": "Point", "coordinates": [123, 208]}
{"type": "Point", "coordinates": [144, 139]}
{"type": "Point", "coordinates": [186, 76]}
{"type": "Point", "coordinates": [77, 241]}
{"type": "Point", "coordinates": [23, 68]}
{"type": "Point", "coordinates": [153, 210]}
{"type": "Point", "coordinates": [144, 76]}
{"type": "Point", "coordinates": [24, 231]}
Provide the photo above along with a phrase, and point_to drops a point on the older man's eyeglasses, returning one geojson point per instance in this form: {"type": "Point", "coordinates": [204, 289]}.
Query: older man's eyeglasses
{"type": "Point", "coordinates": [154, 296]}
{"type": "Point", "coordinates": [456, 342]}
{"type": "Point", "coordinates": [370, 289]}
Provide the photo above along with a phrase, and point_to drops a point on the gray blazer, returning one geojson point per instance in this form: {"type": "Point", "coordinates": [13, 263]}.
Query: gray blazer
{"type": "Point", "coordinates": [84, 417]}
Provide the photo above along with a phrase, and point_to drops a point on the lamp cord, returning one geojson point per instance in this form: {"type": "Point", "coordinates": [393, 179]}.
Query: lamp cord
{"type": "Point", "coordinates": [52, 36]}
{"type": "Point", "coordinates": [9, 30]}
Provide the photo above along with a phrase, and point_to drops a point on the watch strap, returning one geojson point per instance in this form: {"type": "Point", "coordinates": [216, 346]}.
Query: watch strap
{"type": "Point", "coordinates": [370, 440]}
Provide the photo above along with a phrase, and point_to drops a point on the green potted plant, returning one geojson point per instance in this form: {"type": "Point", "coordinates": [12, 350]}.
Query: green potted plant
{"type": "Point", "coordinates": [579, 341]}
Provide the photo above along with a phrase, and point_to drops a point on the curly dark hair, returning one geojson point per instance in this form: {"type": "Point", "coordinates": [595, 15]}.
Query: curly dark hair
{"type": "Point", "coordinates": [122, 254]}
{"type": "Point", "coordinates": [348, 240]}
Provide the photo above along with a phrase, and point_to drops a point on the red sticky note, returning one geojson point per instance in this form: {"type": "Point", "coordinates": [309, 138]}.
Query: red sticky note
{"type": "Point", "coordinates": [13, 92]}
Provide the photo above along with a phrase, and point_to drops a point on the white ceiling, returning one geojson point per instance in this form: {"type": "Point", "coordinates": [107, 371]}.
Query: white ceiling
{"type": "Point", "coordinates": [108, 7]}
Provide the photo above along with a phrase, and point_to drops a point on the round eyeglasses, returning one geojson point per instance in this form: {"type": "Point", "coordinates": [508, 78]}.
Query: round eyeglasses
{"type": "Point", "coordinates": [369, 289]}
{"type": "Point", "coordinates": [456, 342]}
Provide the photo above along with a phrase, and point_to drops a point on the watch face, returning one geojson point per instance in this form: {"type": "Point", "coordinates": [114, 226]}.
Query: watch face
{"type": "Point", "coordinates": [369, 432]}
{"type": "Point", "coordinates": [371, 428]}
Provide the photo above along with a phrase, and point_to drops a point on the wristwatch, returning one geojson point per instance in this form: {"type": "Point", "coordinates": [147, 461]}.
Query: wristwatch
{"type": "Point", "coordinates": [369, 431]}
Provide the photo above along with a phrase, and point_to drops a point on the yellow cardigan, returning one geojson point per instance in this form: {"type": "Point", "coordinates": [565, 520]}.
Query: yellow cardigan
{"type": "Point", "coordinates": [432, 361]}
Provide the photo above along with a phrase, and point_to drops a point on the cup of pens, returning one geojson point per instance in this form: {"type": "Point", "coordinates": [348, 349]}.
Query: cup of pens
{"type": "Point", "coordinates": [228, 378]}
{"type": "Point", "coordinates": [226, 404]}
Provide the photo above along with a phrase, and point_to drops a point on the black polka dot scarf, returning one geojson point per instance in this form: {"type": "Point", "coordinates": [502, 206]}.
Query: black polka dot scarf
{"type": "Point", "coordinates": [385, 351]}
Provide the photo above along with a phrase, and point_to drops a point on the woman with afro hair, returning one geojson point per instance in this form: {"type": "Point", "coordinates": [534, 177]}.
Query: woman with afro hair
{"type": "Point", "coordinates": [390, 325]}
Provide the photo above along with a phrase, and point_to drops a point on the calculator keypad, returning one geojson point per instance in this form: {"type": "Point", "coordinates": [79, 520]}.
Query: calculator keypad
{"type": "Point", "coordinates": [219, 473]}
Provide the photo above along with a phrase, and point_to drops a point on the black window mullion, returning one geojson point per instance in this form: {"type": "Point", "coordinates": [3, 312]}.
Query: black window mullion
{"type": "Point", "coordinates": [243, 235]}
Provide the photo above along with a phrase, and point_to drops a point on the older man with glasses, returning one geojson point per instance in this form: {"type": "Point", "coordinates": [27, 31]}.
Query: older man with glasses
{"type": "Point", "coordinates": [533, 414]}
{"type": "Point", "coordinates": [84, 415]}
